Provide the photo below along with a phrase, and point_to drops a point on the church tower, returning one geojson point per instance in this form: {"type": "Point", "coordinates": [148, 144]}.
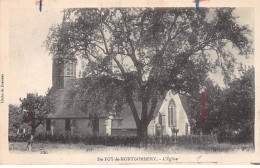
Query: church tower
{"type": "Point", "coordinates": [63, 70]}
{"type": "Point", "coordinates": [63, 67]}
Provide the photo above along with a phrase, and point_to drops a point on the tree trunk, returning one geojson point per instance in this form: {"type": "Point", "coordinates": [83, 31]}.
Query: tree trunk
{"type": "Point", "coordinates": [143, 122]}
{"type": "Point", "coordinates": [142, 134]}
{"type": "Point", "coordinates": [33, 128]}
{"type": "Point", "coordinates": [31, 139]}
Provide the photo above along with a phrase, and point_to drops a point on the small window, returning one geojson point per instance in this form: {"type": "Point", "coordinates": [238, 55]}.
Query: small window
{"type": "Point", "coordinates": [69, 69]}
{"type": "Point", "coordinates": [59, 82]}
{"type": "Point", "coordinates": [67, 125]}
{"type": "Point", "coordinates": [48, 125]}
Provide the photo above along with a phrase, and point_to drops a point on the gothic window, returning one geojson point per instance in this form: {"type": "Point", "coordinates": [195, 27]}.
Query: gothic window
{"type": "Point", "coordinates": [172, 121]}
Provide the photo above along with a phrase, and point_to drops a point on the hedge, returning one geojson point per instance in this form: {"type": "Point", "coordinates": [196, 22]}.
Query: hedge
{"type": "Point", "coordinates": [117, 140]}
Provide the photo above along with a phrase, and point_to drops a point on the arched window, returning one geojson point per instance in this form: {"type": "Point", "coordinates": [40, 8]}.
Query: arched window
{"type": "Point", "coordinates": [172, 118]}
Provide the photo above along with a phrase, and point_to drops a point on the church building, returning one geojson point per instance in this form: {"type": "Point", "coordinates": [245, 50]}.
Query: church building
{"type": "Point", "coordinates": [169, 114]}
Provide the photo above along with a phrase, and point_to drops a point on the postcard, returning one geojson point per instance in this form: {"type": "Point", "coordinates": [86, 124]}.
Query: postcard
{"type": "Point", "coordinates": [129, 82]}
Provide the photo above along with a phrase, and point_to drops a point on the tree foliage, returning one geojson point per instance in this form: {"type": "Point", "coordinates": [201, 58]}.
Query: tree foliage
{"type": "Point", "coordinates": [35, 109]}
{"type": "Point", "coordinates": [15, 116]}
{"type": "Point", "coordinates": [229, 112]}
{"type": "Point", "coordinates": [238, 107]}
{"type": "Point", "coordinates": [95, 95]}
{"type": "Point", "coordinates": [151, 50]}
{"type": "Point", "coordinates": [213, 101]}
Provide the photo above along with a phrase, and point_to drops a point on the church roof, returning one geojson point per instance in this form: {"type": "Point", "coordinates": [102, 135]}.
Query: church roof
{"type": "Point", "coordinates": [65, 101]}
{"type": "Point", "coordinates": [62, 107]}
{"type": "Point", "coordinates": [65, 105]}
{"type": "Point", "coordinates": [68, 114]}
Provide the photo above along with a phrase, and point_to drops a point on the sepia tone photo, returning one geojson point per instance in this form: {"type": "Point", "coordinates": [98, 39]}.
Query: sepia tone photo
{"type": "Point", "coordinates": [147, 80]}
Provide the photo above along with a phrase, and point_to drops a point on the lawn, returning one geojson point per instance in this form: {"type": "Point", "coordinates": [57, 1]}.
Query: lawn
{"type": "Point", "coordinates": [56, 148]}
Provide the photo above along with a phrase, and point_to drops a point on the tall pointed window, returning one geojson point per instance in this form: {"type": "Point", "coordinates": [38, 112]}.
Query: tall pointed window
{"type": "Point", "coordinates": [172, 118]}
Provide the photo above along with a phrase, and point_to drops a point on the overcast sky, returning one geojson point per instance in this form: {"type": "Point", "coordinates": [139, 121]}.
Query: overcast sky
{"type": "Point", "coordinates": [30, 66]}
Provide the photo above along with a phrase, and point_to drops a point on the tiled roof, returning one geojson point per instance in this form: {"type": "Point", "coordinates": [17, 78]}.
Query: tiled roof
{"type": "Point", "coordinates": [69, 114]}
{"type": "Point", "coordinates": [64, 101]}
{"type": "Point", "coordinates": [64, 107]}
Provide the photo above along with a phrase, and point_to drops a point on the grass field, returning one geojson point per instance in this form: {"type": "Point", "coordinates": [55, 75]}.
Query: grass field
{"type": "Point", "coordinates": [55, 148]}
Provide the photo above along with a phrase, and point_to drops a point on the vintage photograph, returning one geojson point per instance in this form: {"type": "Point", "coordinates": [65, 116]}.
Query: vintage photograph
{"type": "Point", "coordinates": [162, 80]}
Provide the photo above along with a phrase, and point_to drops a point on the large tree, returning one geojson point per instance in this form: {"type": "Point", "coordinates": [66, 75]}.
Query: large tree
{"type": "Point", "coordinates": [214, 97]}
{"type": "Point", "coordinates": [229, 111]}
{"type": "Point", "coordinates": [151, 50]}
{"type": "Point", "coordinates": [35, 109]}
{"type": "Point", "coordinates": [237, 110]}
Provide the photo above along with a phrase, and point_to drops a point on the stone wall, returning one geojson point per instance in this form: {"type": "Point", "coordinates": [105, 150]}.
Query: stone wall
{"type": "Point", "coordinates": [82, 127]}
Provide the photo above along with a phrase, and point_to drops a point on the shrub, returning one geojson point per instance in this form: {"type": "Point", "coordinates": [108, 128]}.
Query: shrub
{"type": "Point", "coordinates": [118, 140]}
{"type": "Point", "coordinates": [183, 140]}
{"type": "Point", "coordinates": [236, 136]}
{"type": "Point", "coordinates": [19, 138]}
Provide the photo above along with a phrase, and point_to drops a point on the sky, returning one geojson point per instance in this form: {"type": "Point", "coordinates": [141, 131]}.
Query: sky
{"type": "Point", "coordinates": [30, 65]}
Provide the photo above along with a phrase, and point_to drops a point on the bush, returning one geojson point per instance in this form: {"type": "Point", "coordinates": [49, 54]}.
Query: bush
{"type": "Point", "coordinates": [183, 140]}
{"type": "Point", "coordinates": [18, 138]}
{"type": "Point", "coordinates": [234, 136]}
{"type": "Point", "coordinates": [117, 140]}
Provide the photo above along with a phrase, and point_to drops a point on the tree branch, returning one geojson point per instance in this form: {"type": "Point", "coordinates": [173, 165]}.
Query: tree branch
{"type": "Point", "coordinates": [133, 56]}
{"type": "Point", "coordinates": [120, 67]}
{"type": "Point", "coordinates": [132, 107]}
{"type": "Point", "coordinates": [98, 47]}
